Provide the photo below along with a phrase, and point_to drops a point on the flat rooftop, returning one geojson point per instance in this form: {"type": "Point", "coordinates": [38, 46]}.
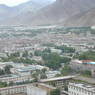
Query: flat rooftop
{"type": "Point", "coordinates": [84, 86]}
{"type": "Point", "coordinates": [9, 76]}
{"type": "Point", "coordinates": [57, 78]}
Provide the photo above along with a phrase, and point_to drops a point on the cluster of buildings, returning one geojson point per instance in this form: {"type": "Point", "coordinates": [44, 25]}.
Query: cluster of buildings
{"type": "Point", "coordinates": [27, 89]}
{"type": "Point", "coordinates": [19, 72]}
{"type": "Point", "coordinates": [83, 65]}
{"type": "Point", "coordinates": [19, 39]}
{"type": "Point", "coordinates": [43, 87]}
{"type": "Point", "coordinates": [27, 41]}
{"type": "Point", "coordinates": [23, 72]}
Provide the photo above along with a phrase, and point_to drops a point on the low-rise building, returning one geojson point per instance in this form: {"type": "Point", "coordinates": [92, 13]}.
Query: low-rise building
{"type": "Point", "coordinates": [31, 90]}
{"type": "Point", "coordinates": [82, 64]}
{"type": "Point", "coordinates": [27, 89]}
{"type": "Point", "coordinates": [57, 81]}
{"type": "Point", "coordinates": [81, 89]}
{"type": "Point", "coordinates": [13, 90]}
{"type": "Point", "coordinates": [15, 78]}
{"type": "Point", "coordinates": [51, 74]}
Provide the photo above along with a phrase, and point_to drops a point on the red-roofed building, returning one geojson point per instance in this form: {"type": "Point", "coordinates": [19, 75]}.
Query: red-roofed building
{"type": "Point", "coordinates": [86, 61]}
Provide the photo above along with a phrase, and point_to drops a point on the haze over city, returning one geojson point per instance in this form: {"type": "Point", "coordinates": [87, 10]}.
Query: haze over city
{"type": "Point", "coordinates": [47, 47]}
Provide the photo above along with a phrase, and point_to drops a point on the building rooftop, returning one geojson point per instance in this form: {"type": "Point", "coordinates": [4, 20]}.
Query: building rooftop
{"type": "Point", "coordinates": [93, 63]}
{"type": "Point", "coordinates": [86, 61]}
{"type": "Point", "coordinates": [9, 76]}
{"type": "Point", "coordinates": [84, 86]}
{"type": "Point", "coordinates": [30, 68]}
{"type": "Point", "coordinates": [57, 78]}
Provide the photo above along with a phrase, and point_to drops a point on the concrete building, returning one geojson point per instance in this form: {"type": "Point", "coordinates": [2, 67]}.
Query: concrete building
{"type": "Point", "coordinates": [15, 65]}
{"type": "Point", "coordinates": [81, 89]}
{"type": "Point", "coordinates": [31, 90]}
{"type": "Point", "coordinates": [57, 81]}
{"type": "Point", "coordinates": [30, 68]}
{"type": "Point", "coordinates": [15, 78]}
{"type": "Point", "coordinates": [27, 89]}
{"type": "Point", "coordinates": [51, 74]}
{"type": "Point", "coordinates": [13, 90]}
{"type": "Point", "coordinates": [39, 89]}
{"type": "Point", "coordinates": [82, 65]}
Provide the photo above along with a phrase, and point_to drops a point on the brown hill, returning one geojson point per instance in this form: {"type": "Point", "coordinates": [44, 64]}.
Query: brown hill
{"type": "Point", "coordinates": [61, 11]}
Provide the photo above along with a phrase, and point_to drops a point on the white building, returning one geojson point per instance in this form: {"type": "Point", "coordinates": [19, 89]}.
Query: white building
{"type": "Point", "coordinates": [13, 90]}
{"type": "Point", "coordinates": [27, 89]}
{"type": "Point", "coordinates": [81, 89]}
{"type": "Point", "coordinates": [51, 74]}
{"type": "Point", "coordinates": [31, 90]}
{"type": "Point", "coordinates": [15, 78]}
{"type": "Point", "coordinates": [15, 65]}
{"type": "Point", "coordinates": [30, 68]}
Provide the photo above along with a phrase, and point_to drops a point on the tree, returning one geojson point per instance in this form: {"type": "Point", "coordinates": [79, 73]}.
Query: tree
{"type": "Point", "coordinates": [36, 75]}
{"type": "Point", "coordinates": [3, 84]}
{"type": "Point", "coordinates": [89, 55]}
{"type": "Point", "coordinates": [54, 60]}
{"type": "Point", "coordinates": [86, 73]}
{"type": "Point", "coordinates": [31, 55]}
{"type": "Point", "coordinates": [55, 92]}
{"type": "Point", "coordinates": [16, 54]}
{"type": "Point", "coordinates": [38, 53]}
{"type": "Point", "coordinates": [44, 70]}
{"type": "Point", "coordinates": [7, 69]}
{"type": "Point", "coordinates": [43, 76]}
{"type": "Point", "coordinates": [47, 50]}
{"type": "Point", "coordinates": [1, 72]}
{"type": "Point", "coordinates": [66, 70]}
{"type": "Point", "coordinates": [25, 54]}
{"type": "Point", "coordinates": [66, 49]}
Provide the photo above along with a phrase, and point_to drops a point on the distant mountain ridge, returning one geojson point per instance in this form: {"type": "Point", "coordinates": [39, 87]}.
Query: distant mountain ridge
{"type": "Point", "coordinates": [65, 12]}
{"type": "Point", "coordinates": [62, 10]}
{"type": "Point", "coordinates": [30, 6]}
{"type": "Point", "coordinates": [84, 19]}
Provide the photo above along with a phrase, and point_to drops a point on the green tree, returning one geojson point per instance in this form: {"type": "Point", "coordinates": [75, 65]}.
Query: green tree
{"type": "Point", "coordinates": [1, 72]}
{"type": "Point", "coordinates": [43, 76]}
{"type": "Point", "coordinates": [86, 73]}
{"type": "Point", "coordinates": [55, 92]}
{"type": "Point", "coordinates": [3, 84]}
{"type": "Point", "coordinates": [66, 70]}
{"type": "Point", "coordinates": [89, 55]}
{"type": "Point", "coordinates": [7, 69]}
{"type": "Point", "coordinates": [25, 54]}
{"type": "Point", "coordinates": [54, 60]}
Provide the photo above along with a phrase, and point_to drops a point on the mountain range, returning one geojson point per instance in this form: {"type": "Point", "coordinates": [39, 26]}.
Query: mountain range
{"type": "Point", "coordinates": [32, 6]}
{"type": "Point", "coordinates": [41, 12]}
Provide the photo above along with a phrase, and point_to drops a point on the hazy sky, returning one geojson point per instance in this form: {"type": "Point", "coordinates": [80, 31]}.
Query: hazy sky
{"type": "Point", "coordinates": [12, 2]}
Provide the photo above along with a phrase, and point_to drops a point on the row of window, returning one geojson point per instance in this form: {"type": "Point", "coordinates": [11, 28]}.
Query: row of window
{"type": "Point", "coordinates": [73, 90]}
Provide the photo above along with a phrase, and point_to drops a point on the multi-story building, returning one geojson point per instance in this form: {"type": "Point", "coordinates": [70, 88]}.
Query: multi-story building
{"type": "Point", "coordinates": [27, 89]}
{"type": "Point", "coordinates": [83, 65]}
{"type": "Point", "coordinates": [13, 90]}
{"type": "Point", "coordinates": [31, 90]}
{"type": "Point", "coordinates": [15, 78]}
{"type": "Point", "coordinates": [57, 81]}
{"type": "Point", "coordinates": [40, 89]}
{"type": "Point", "coordinates": [80, 89]}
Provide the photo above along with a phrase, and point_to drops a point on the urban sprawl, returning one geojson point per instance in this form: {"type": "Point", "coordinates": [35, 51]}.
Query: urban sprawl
{"type": "Point", "coordinates": [47, 60]}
